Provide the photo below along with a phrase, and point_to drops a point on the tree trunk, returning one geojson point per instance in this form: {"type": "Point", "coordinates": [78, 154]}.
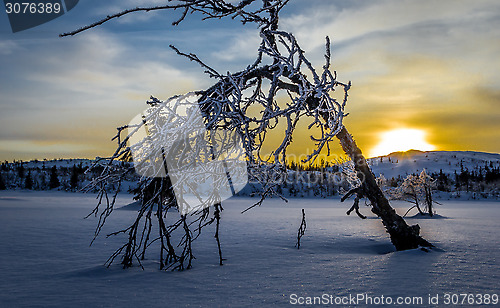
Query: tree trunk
{"type": "Point", "coordinates": [402, 235]}
{"type": "Point", "coordinates": [428, 199]}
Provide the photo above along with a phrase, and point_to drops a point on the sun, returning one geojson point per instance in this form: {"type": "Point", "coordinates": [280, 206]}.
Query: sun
{"type": "Point", "coordinates": [401, 140]}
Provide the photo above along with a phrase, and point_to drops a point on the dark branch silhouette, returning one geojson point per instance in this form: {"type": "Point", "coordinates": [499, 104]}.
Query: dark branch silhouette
{"type": "Point", "coordinates": [281, 70]}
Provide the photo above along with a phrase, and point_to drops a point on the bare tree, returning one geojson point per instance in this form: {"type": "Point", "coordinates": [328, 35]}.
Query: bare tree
{"type": "Point", "coordinates": [428, 184]}
{"type": "Point", "coordinates": [416, 189]}
{"type": "Point", "coordinates": [280, 70]}
{"type": "Point", "coordinates": [409, 191]}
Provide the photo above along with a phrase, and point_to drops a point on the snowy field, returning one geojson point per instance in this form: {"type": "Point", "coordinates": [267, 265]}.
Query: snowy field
{"type": "Point", "coordinates": [46, 261]}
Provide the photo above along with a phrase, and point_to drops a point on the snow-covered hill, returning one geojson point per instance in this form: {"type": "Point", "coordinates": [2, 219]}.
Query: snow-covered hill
{"type": "Point", "coordinates": [404, 163]}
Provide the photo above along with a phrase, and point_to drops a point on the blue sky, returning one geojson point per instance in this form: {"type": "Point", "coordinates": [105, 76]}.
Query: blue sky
{"type": "Point", "coordinates": [427, 65]}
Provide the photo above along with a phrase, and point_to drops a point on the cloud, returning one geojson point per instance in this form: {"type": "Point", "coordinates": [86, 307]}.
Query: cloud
{"type": "Point", "coordinates": [79, 90]}
{"type": "Point", "coordinates": [366, 35]}
{"type": "Point", "coordinates": [428, 65]}
{"type": "Point", "coordinates": [427, 93]}
{"type": "Point", "coordinates": [9, 47]}
{"type": "Point", "coordinates": [105, 68]}
{"type": "Point", "coordinates": [367, 17]}
{"type": "Point", "coordinates": [240, 46]}
{"type": "Point", "coordinates": [37, 147]}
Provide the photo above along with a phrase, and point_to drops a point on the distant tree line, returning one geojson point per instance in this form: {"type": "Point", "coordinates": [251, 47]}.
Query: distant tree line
{"type": "Point", "coordinates": [479, 179]}
{"type": "Point", "coordinates": [321, 165]}
{"type": "Point", "coordinates": [323, 179]}
{"type": "Point", "coordinates": [47, 175]}
{"type": "Point", "coordinates": [482, 181]}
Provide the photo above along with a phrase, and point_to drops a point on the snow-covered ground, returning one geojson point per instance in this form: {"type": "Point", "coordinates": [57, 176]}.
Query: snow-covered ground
{"type": "Point", "coordinates": [46, 261]}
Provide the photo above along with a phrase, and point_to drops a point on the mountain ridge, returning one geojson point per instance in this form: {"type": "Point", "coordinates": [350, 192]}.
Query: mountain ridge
{"type": "Point", "coordinates": [414, 161]}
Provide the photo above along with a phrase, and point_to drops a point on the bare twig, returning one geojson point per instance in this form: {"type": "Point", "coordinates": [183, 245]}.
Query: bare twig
{"type": "Point", "coordinates": [302, 229]}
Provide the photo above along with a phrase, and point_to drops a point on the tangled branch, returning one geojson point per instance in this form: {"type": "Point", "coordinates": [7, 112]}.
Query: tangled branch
{"type": "Point", "coordinates": [210, 9]}
{"type": "Point", "coordinates": [278, 89]}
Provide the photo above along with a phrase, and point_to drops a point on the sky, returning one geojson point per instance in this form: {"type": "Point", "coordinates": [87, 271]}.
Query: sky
{"type": "Point", "coordinates": [425, 71]}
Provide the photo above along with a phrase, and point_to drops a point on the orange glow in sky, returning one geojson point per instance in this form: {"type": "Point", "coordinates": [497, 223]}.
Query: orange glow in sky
{"type": "Point", "coordinates": [401, 140]}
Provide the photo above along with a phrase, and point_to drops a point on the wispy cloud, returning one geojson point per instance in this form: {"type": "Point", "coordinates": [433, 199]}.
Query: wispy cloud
{"type": "Point", "coordinates": [8, 47]}
{"type": "Point", "coordinates": [93, 83]}
{"type": "Point", "coordinates": [241, 47]}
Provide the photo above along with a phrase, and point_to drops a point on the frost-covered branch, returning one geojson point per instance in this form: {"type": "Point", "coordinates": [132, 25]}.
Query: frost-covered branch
{"type": "Point", "coordinates": [209, 9]}
{"type": "Point", "coordinates": [174, 141]}
{"type": "Point", "coordinates": [224, 105]}
{"type": "Point", "coordinates": [416, 189]}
